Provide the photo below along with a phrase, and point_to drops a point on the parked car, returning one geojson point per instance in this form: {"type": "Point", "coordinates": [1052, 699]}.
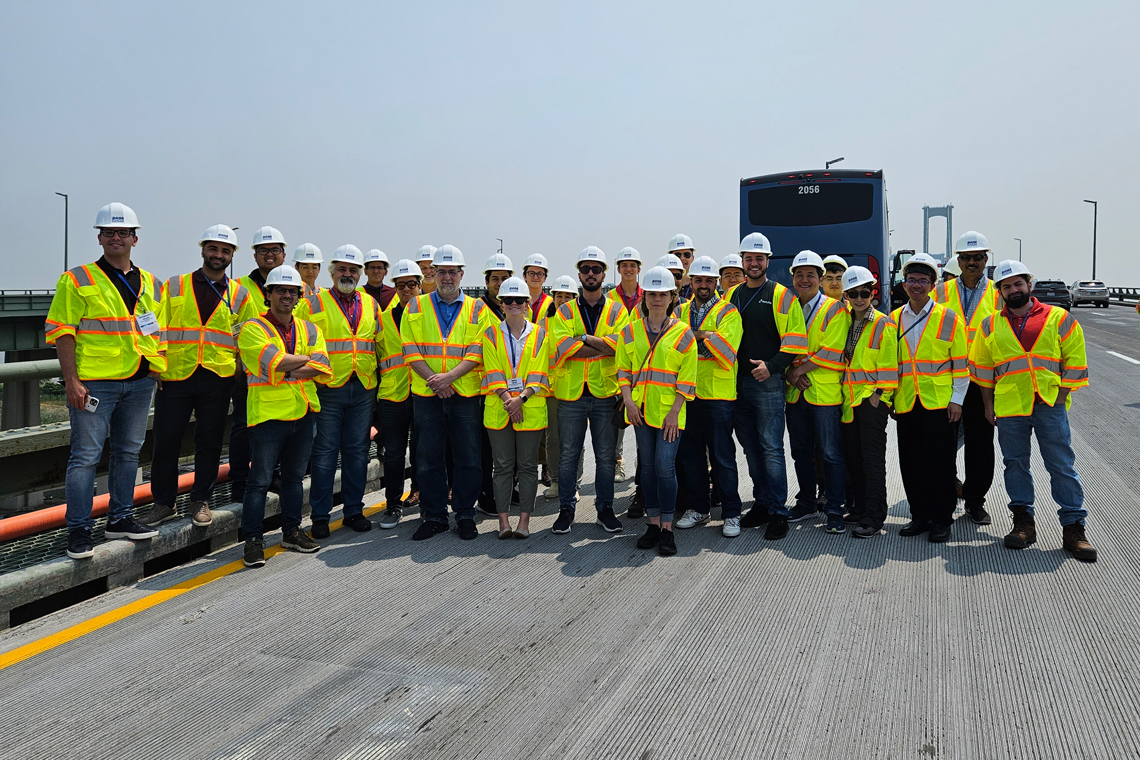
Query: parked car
{"type": "Point", "coordinates": [1053, 292]}
{"type": "Point", "coordinates": [1089, 291]}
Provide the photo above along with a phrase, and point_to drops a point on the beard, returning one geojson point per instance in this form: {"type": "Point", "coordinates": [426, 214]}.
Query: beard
{"type": "Point", "coordinates": [1017, 300]}
{"type": "Point", "coordinates": [346, 285]}
{"type": "Point", "coordinates": [591, 288]}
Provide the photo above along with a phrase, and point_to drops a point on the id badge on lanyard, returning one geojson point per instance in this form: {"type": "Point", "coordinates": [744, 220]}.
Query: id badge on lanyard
{"type": "Point", "coordinates": [514, 384]}
{"type": "Point", "coordinates": [147, 321]}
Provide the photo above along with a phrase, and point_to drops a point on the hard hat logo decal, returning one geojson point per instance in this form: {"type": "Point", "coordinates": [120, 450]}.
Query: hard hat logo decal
{"type": "Point", "coordinates": [116, 219]}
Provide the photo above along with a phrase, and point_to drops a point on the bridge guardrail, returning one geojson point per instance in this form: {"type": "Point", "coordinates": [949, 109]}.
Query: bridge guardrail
{"type": "Point", "coordinates": [1124, 295]}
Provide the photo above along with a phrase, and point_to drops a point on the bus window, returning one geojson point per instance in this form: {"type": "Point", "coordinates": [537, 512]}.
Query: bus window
{"type": "Point", "coordinates": [810, 205]}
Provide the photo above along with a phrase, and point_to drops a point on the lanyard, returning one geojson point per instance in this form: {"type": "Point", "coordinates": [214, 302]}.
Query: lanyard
{"type": "Point", "coordinates": [350, 316]}
{"type": "Point", "coordinates": [915, 323]}
{"type": "Point", "coordinates": [629, 306]}
{"type": "Point", "coordinates": [223, 293]}
{"type": "Point", "coordinates": [1017, 331]}
{"type": "Point", "coordinates": [515, 360]}
{"type": "Point", "coordinates": [534, 307]}
{"type": "Point", "coordinates": [446, 321]}
{"type": "Point", "coordinates": [289, 337]}
{"type": "Point", "coordinates": [142, 285]}
{"type": "Point", "coordinates": [967, 305]}
{"type": "Point", "coordinates": [586, 319]}
{"type": "Point", "coordinates": [753, 298]}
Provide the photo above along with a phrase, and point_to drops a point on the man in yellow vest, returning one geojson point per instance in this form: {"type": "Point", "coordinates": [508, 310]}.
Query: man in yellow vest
{"type": "Point", "coordinates": [105, 322]}
{"type": "Point", "coordinates": [973, 297]}
{"type": "Point", "coordinates": [442, 337]}
{"type": "Point", "coordinates": [349, 321]}
{"type": "Point", "coordinates": [201, 313]}
{"type": "Point", "coordinates": [282, 355]}
{"type": "Point", "coordinates": [933, 378]}
{"type": "Point", "coordinates": [1028, 358]}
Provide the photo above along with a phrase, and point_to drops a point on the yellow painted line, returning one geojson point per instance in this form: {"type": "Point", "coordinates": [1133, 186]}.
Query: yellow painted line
{"type": "Point", "coordinates": [19, 654]}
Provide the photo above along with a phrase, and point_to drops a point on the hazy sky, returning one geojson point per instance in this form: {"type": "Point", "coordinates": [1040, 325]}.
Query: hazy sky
{"type": "Point", "coordinates": [559, 125]}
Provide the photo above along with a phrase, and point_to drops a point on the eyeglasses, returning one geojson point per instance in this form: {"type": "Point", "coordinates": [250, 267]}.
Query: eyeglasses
{"type": "Point", "coordinates": [973, 256]}
{"type": "Point", "coordinates": [923, 281]}
{"type": "Point", "coordinates": [374, 267]}
{"type": "Point", "coordinates": [860, 293]}
{"type": "Point", "coordinates": [534, 273]}
{"type": "Point", "coordinates": [123, 232]}
{"type": "Point", "coordinates": [591, 270]}
{"type": "Point", "coordinates": [447, 272]}
{"type": "Point", "coordinates": [405, 285]}
{"type": "Point", "coordinates": [514, 300]}
{"type": "Point", "coordinates": [265, 250]}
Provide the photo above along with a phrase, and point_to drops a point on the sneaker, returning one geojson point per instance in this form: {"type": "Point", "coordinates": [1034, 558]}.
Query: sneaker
{"type": "Point", "coordinates": [358, 523]}
{"type": "Point", "coordinates": [467, 529]}
{"type": "Point", "coordinates": [608, 520]}
{"type": "Point", "coordinates": [636, 508]}
{"type": "Point", "coordinates": [79, 545]}
{"type": "Point", "coordinates": [650, 538]}
{"type": "Point", "coordinates": [863, 530]}
{"type": "Point", "coordinates": [551, 492]}
{"type": "Point", "coordinates": [666, 546]}
{"type": "Point", "coordinates": [158, 514]}
{"type": "Point", "coordinates": [545, 479]}
{"type": "Point", "coordinates": [691, 519]}
{"type": "Point", "coordinates": [731, 527]}
{"type": "Point", "coordinates": [254, 552]}
{"type": "Point", "coordinates": [851, 518]}
{"type": "Point", "coordinates": [484, 510]}
{"type": "Point", "coordinates": [299, 541]}
{"type": "Point", "coordinates": [391, 518]}
{"type": "Point", "coordinates": [804, 512]}
{"type": "Point", "coordinates": [429, 528]}
{"type": "Point", "coordinates": [979, 515]}
{"type": "Point", "coordinates": [777, 528]}
{"type": "Point", "coordinates": [835, 524]}
{"type": "Point", "coordinates": [619, 472]}
{"type": "Point", "coordinates": [564, 522]}
{"type": "Point", "coordinates": [201, 513]}
{"type": "Point", "coordinates": [320, 528]}
{"type": "Point", "coordinates": [755, 517]}
{"type": "Point", "coordinates": [129, 527]}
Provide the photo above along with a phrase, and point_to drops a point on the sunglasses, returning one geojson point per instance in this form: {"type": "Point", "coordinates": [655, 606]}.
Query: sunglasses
{"type": "Point", "coordinates": [406, 285]}
{"type": "Point", "coordinates": [973, 256]}
{"type": "Point", "coordinates": [686, 254]}
{"type": "Point", "coordinates": [514, 300]}
{"type": "Point", "coordinates": [591, 270]}
{"type": "Point", "coordinates": [860, 293]}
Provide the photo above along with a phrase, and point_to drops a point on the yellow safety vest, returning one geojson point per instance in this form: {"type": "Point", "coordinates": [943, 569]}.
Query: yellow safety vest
{"type": "Point", "coordinates": [788, 315]}
{"type": "Point", "coordinates": [544, 301]}
{"type": "Point", "coordinates": [534, 362]}
{"type": "Point", "coordinates": [258, 296]}
{"type": "Point", "coordinates": [394, 381]}
{"type": "Point", "coordinates": [716, 377]}
{"type": "Point", "coordinates": [947, 292]}
{"type": "Point", "coordinates": [271, 395]}
{"type": "Point", "coordinates": [349, 352]}
{"type": "Point", "coordinates": [656, 374]}
{"type": "Point", "coordinates": [310, 290]}
{"type": "Point", "coordinates": [108, 342]}
{"type": "Point", "coordinates": [424, 342]}
{"type": "Point", "coordinates": [630, 315]}
{"type": "Point", "coordinates": [827, 337]}
{"type": "Point", "coordinates": [941, 357]}
{"type": "Point", "coordinates": [874, 363]}
{"type": "Point", "coordinates": [190, 343]}
{"type": "Point", "coordinates": [598, 372]}
{"type": "Point", "coordinates": [1018, 377]}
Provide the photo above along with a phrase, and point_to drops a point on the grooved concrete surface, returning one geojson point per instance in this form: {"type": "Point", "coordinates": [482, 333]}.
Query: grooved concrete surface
{"type": "Point", "coordinates": [582, 646]}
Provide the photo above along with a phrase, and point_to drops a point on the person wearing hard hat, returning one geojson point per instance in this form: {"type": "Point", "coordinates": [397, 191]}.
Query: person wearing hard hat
{"type": "Point", "coordinates": [676, 268]}
{"type": "Point", "coordinates": [832, 281]}
{"type": "Point", "coordinates": [731, 274]}
{"type": "Point", "coordinates": [535, 271]}
{"type": "Point", "coordinates": [681, 246]}
{"type": "Point", "coordinates": [376, 269]}
{"type": "Point", "coordinates": [105, 322]}
{"type": "Point", "coordinates": [628, 290]}
{"type": "Point", "coordinates": [424, 257]}
{"type": "Point", "coordinates": [441, 332]}
{"type": "Point", "coordinates": [773, 334]}
{"type": "Point", "coordinates": [973, 297]}
{"type": "Point", "coordinates": [871, 359]}
{"type": "Point", "coordinates": [563, 291]}
{"type": "Point", "coordinates": [202, 312]}
{"type": "Point", "coordinates": [349, 321]}
{"type": "Point", "coordinates": [657, 373]}
{"type": "Point", "coordinates": [1028, 358]}
{"type": "Point", "coordinates": [307, 261]}
{"type": "Point", "coordinates": [951, 270]}
{"type": "Point", "coordinates": [283, 356]}
{"type": "Point", "coordinates": [933, 379]}
{"type": "Point", "coordinates": [585, 335]}
{"type": "Point", "coordinates": [495, 272]}
{"type": "Point", "coordinates": [717, 328]}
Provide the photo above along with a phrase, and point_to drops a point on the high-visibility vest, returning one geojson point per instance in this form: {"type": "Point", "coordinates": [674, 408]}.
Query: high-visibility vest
{"type": "Point", "coordinates": [874, 363]}
{"type": "Point", "coordinates": [827, 337]}
{"type": "Point", "coordinates": [534, 362]}
{"type": "Point", "coordinates": [259, 297]}
{"type": "Point", "coordinates": [108, 342]}
{"type": "Point", "coordinates": [190, 343]}
{"type": "Point", "coordinates": [633, 314]}
{"type": "Point", "coordinates": [597, 372]}
{"type": "Point", "coordinates": [271, 395]}
{"type": "Point", "coordinates": [395, 385]}
{"type": "Point", "coordinates": [941, 357]}
{"type": "Point", "coordinates": [350, 352]}
{"type": "Point", "coordinates": [424, 342]}
{"type": "Point", "coordinates": [788, 314]}
{"type": "Point", "coordinates": [310, 290]}
{"type": "Point", "coordinates": [656, 375]}
{"type": "Point", "coordinates": [1019, 377]}
{"type": "Point", "coordinates": [716, 377]}
{"type": "Point", "coordinates": [948, 292]}
{"type": "Point", "coordinates": [535, 315]}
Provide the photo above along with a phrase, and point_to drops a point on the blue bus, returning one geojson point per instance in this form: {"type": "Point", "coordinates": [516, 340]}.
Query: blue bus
{"type": "Point", "coordinates": [834, 211]}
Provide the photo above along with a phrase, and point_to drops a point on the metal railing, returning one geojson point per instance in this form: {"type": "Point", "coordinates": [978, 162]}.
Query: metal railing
{"type": "Point", "coordinates": [1124, 295]}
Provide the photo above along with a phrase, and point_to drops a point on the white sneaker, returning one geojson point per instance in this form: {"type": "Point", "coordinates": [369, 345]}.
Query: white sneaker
{"type": "Point", "coordinates": [731, 527]}
{"type": "Point", "coordinates": [619, 472]}
{"type": "Point", "coordinates": [691, 519]}
{"type": "Point", "coordinates": [552, 492]}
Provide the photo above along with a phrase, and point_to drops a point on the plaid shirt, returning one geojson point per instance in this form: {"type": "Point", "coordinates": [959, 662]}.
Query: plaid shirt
{"type": "Point", "coordinates": [696, 316]}
{"type": "Point", "coordinates": [854, 333]}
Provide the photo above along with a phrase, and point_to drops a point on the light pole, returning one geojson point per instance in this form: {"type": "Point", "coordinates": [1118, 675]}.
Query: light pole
{"type": "Point", "coordinates": [65, 214]}
{"type": "Point", "coordinates": [1094, 237]}
{"type": "Point", "coordinates": [1018, 248]}
{"type": "Point", "coordinates": [832, 161]}
{"type": "Point", "coordinates": [500, 244]}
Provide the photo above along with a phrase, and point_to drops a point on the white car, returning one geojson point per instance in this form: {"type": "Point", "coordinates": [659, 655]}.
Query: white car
{"type": "Point", "coordinates": [1089, 291]}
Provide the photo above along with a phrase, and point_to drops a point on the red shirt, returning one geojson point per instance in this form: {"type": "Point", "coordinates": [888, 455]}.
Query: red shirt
{"type": "Point", "coordinates": [1028, 327]}
{"type": "Point", "coordinates": [630, 303]}
{"type": "Point", "coordinates": [286, 331]}
{"type": "Point", "coordinates": [350, 306]}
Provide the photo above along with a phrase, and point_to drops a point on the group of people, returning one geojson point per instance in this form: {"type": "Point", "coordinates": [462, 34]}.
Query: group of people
{"type": "Point", "coordinates": [486, 391]}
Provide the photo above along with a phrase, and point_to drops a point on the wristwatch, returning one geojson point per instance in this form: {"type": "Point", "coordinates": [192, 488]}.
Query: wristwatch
{"type": "Point", "coordinates": [289, 374]}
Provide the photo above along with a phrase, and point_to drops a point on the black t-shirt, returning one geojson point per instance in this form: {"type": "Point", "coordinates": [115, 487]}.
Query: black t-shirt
{"type": "Point", "coordinates": [761, 339]}
{"type": "Point", "coordinates": [206, 297]}
{"type": "Point", "coordinates": [129, 291]}
{"type": "Point", "coordinates": [495, 307]}
{"type": "Point", "coordinates": [591, 315]}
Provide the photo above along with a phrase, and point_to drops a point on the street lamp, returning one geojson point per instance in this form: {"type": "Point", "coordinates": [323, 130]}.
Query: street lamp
{"type": "Point", "coordinates": [1018, 248]}
{"type": "Point", "coordinates": [65, 207]}
{"type": "Point", "coordinates": [500, 244]}
{"type": "Point", "coordinates": [832, 161]}
{"type": "Point", "coordinates": [1094, 236]}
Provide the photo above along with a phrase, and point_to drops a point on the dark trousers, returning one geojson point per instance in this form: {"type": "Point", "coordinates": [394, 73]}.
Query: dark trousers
{"type": "Point", "coordinates": [394, 420]}
{"type": "Point", "coordinates": [979, 434]}
{"type": "Point", "coordinates": [487, 485]}
{"type": "Point", "coordinates": [708, 427]}
{"type": "Point", "coordinates": [457, 420]}
{"type": "Point", "coordinates": [239, 434]}
{"type": "Point", "coordinates": [865, 448]}
{"type": "Point", "coordinates": [928, 442]}
{"type": "Point", "coordinates": [291, 441]}
{"type": "Point", "coordinates": [207, 396]}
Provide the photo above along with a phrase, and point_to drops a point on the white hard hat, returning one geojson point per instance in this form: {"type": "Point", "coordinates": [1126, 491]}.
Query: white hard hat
{"type": "Point", "coordinates": [376, 255]}
{"type": "Point", "coordinates": [426, 253]}
{"type": "Point", "coordinates": [680, 242]}
{"type": "Point", "coordinates": [658, 280]}
{"type": "Point", "coordinates": [703, 266]}
{"type": "Point", "coordinates": [921, 258]}
{"type": "Point", "coordinates": [307, 253]}
{"type": "Point", "coordinates": [499, 263]}
{"type": "Point", "coordinates": [219, 233]}
{"type": "Point", "coordinates": [284, 275]}
{"type": "Point", "coordinates": [951, 267]}
{"type": "Point", "coordinates": [406, 268]}
{"type": "Point", "coordinates": [349, 254]}
{"type": "Point", "coordinates": [833, 259]}
{"type": "Point", "coordinates": [564, 284]}
{"type": "Point", "coordinates": [595, 254]}
{"type": "Point", "coordinates": [1010, 268]}
{"type": "Point", "coordinates": [447, 255]}
{"type": "Point", "coordinates": [116, 215]}
{"type": "Point", "coordinates": [669, 261]}
{"type": "Point", "coordinates": [514, 286]}
{"type": "Point", "coordinates": [971, 241]}
{"type": "Point", "coordinates": [806, 259]}
{"type": "Point", "coordinates": [856, 276]}
{"type": "Point", "coordinates": [628, 254]}
{"type": "Point", "coordinates": [536, 260]}
{"type": "Point", "coordinates": [755, 243]}
{"type": "Point", "coordinates": [732, 261]}
{"type": "Point", "coordinates": [267, 236]}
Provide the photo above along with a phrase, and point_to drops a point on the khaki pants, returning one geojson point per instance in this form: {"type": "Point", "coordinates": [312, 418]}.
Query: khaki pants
{"type": "Point", "coordinates": [515, 452]}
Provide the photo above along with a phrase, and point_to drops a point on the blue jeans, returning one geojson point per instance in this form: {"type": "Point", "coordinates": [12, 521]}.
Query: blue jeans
{"type": "Point", "coordinates": [759, 422]}
{"type": "Point", "coordinates": [708, 425]}
{"type": "Point", "coordinates": [343, 426]}
{"type": "Point", "coordinates": [809, 424]}
{"type": "Point", "coordinates": [572, 419]}
{"type": "Point", "coordinates": [658, 471]}
{"type": "Point", "coordinates": [292, 442]}
{"type": "Point", "coordinates": [457, 421]}
{"type": "Point", "coordinates": [123, 409]}
{"type": "Point", "coordinates": [1051, 424]}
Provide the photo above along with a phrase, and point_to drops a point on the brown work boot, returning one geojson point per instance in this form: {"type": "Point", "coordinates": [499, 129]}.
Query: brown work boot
{"type": "Point", "coordinates": [1076, 544]}
{"type": "Point", "coordinates": [1024, 531]}
{"type": "Point", "coordinates": [201, 511]}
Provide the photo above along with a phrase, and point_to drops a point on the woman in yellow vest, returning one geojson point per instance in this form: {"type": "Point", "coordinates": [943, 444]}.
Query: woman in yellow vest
{"type": "Point", "coordinates": [657, 372]}
{"type": "Point", "coordinates": [516, 358]}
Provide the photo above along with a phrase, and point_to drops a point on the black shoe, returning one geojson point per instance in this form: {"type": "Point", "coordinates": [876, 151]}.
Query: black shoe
{"type": "Point", "coordinates": [914, 528]}
{"type": "Point", "coordinates": [666, 546]}
{"type": "Point", "coordinates": [636, 507]}
{"type": "Point", "coordinates": [863, 530]}
{"type": "Point", "coordinates": [300, 541]}
{"type": "Point", "coordinates": [851, 518]}
{"type": "Point", "coordinates": [755, 517]}
{"type": "Point", "coordinates": [483, 509]}
{"type": "Point", "coordinates": [608, 520]}
{"type": "Point", "coordinates": [129, 527]}
{"type": "Point", "coordinates": [320, 528]}
{"type": "Point", "coordinates": [564, 522]}
{"type": "Point", "coordinates": [237, 491]}
{"type": "Point", "coordinates": [939, 534]}
{"type": "Point", "coordinates": [777, 528]}
{"type": "Point", "coordinates": [254, 552]}
{"type": "Point", "coordinates": [429, 528]}
{"type": "Point", "coordinates": [359, 523]}
{"type": "Point", "coordinates": [467, 529]}
{"type": "Point", "coordinates": [651, 537]}
{"type": "Point", "coordinates": [79, 545]}
{"type": "Point", "coordinates": [979, 515]}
